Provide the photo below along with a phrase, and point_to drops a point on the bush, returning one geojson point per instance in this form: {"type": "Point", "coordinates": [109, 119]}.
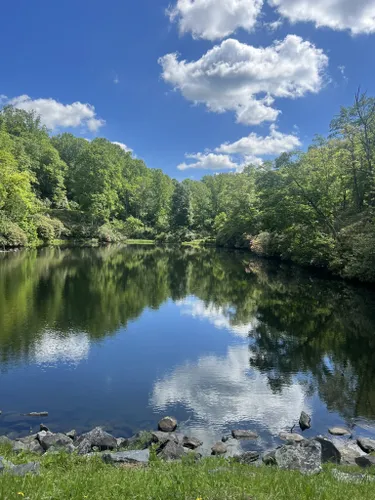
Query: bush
{"type": "Point", "coordinates": [44, 228]}
{"type": "Point", "coordinates": [11, 235]}
{"type": "Point", "coordinates": [107, 233]}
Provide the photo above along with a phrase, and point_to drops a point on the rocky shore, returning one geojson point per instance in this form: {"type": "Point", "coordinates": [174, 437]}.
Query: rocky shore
{"type": "Point", "coordinates": [168, 444]}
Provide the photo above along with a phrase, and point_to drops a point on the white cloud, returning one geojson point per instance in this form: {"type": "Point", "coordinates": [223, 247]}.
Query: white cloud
{"type": "Point", "coordinates": [215, 19]}
{"type": "Point", "coordinates": [54, 114]}
{"type": "Point", "coordinates": [273, 144]}
{"type": "Point", "coordinates": [209, 161]}
{"type": "Point", "coordinates": [123, 146]}
{"type": "Point", "coordinates": [357, 16]}
{"type": "Point", "coordinates": [235, 77]}
{"type": "Point", "coordinates": [54, 347]}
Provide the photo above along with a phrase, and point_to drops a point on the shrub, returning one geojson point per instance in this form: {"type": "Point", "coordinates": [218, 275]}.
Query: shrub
{"type": "Point", "coordinates": [11, 235]}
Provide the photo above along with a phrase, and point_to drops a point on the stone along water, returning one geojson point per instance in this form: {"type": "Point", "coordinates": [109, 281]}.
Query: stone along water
{"type": "Point", "coordinates": [120, 337]}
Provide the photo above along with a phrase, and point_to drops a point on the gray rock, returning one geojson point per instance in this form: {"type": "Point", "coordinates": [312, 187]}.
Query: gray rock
{"type": "Point", "coordinates": [98, 437]}
{"type": "Point", "coordinates": [305, 457]}
{"type": "Point", "coordinates": [167, 424]}
{"type": "Point", "coordinates": [269, 458]}
{"type": "Point", "coordinates": [244, 434]}
{"type": "Point", "coordinates": [352, 478]}
{"type": "Point", "coordinates": [219, 448]}
{"type": "Point", "coordinates": [329, 451]}
{"type": "Point", "coordinates": [304, 421]}
{"type": "Point", "coordinates": [72, 434]}
{"type": "Point", "coordinates": [350, 451]}
{"type": "Point", "coordinates": [366, 461]}
{"type": "Point", "coordinates": [18, 447]}
{"type": "Point", "coordinates": [291, 437]}
{"type": "Point", "coordinates": [44, 428]}
{"type": "Point", "coordinates": [162, 437]}
{"type": "Point", "coordinates": [127, 457]}
{"type": "Point", "coordinates": [35, 447]}
{"type": "Point", "coordinates": [84, 447]}
{"type": "Point", "coordinates": [5, 440]}
{"type": "Point", "coordinates": [28, 439]}
{"type": "Point", "coordinates": [24, 469]}
{"type": "Point", "coordinates": [68, 448]}
{"type": "Point", "coordinates": [225, 438]}
{"type": "Point", "coordinates": [171, 451]}
{"type": "Point", "coordinates": [37, 414]}
{"type": "Point", "coordinates": [141, 440]}
{"type": "Point", "coordinates": [366, 444]}
{"type": "Point", "coordinates": [248, 457]}
{"type": "Point", "coordinates": [122, 442]}
{"type": "Point", "coordinates": [339, 431]}
{"type": "Point", "coordinates": [58, 440]}
{"type": "Point", "coordinates": [191, 442]}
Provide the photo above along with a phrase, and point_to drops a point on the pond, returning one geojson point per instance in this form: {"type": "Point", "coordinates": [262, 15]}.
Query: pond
{"type": "Point", "coordinates": [119, 337]}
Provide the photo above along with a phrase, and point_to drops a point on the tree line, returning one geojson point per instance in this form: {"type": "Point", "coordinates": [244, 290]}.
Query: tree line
{"type": "Point", "coordinates": [313, 208]}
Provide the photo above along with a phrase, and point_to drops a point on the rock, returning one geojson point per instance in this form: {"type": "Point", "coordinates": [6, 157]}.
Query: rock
{"type": "Point", "coordinates": [243, 434]}
{"type": "Point", "coordinates": [329, 451]}
{"type": "Point", "coordinates": [269, 458]}
{"type": "Point", "coordinates": [304, 421]}
{"type": "Point", "coordinates": [35, 447]}
{"type": "Point", "coordinates": [167, 424]}
{"type": "Point", "coordinates": [58, 440]}
{"type": "Point", "coordinates": [122, 442]}
{"type": "Point", "coordinates": [366, 461]}
{"type": "Point", "coordinates": [98, 437]}
{"type": "Point", "coordinates": [191, 442]}
{"type": "Point", "coordinates": [171, 451]}
{"type": "Point", "coordinates": [2, 466]}
{"type": "Point", "coordinates": [24, 469]}
{"type": "Point", "coordinates": [219, 449]}
{"type": "Point", "coordinates": [28, 439]}
{"type": "Point", "coordinates": [141, 440]}
{"type": "Point", "coordinates": [44, 428]}
{"type": "Point", "coordinates": [352, 478]}
{"type": "Point", "coordinates": [37, 414]}
{"type": "Point", "coordinates": [162, 437]}
{"type": "Point", "coordinates": [127, 457]}
{"type": "Point", "coordinates": [305, 457]}
{"type": "Point", "coordinates": [366, 444]}
{"type": "Point", "coordinates": [84, 447]}
{"type": "Point", "coordinates": [72, 434]}
{"type": "Point", "coordinates": [5, 440]}
{"type": "Point", "coordinates": [225, 438]}
{"type": "Point", "coordinates": [18, 447]}
{"type": "Point", "coordinates": [350, 451]}
{"type": "Point", "coordinates": [292, 437]}
{"type": "Point", "coordinates": [339, 431]}
{"type": "Point", "coordinates": [248, 457]}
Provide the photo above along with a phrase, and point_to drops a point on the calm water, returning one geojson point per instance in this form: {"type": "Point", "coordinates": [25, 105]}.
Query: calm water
{"type": "Point", "coordinates": [119, 337]}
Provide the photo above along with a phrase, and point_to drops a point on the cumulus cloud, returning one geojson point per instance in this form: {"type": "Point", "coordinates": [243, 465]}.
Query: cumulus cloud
{"type": "Point", "coordinates": [357, 16]}
{"type": "Point", "coordinates": [214, 19]}
{"type": "Point", "coordinates": [55, 115]}
{"type": "Point", "coordinates": [237, 77]}
{"type": "Point", "coordinates": [273, 144]}
{"type": "Point", "coordinates": [209, 161]}
{"type": "Point", "coordinates": [123, 146]}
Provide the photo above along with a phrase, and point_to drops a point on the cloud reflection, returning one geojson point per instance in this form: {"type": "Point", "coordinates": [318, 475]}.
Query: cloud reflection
{"type": "Point", "coordinates": [54, 347]}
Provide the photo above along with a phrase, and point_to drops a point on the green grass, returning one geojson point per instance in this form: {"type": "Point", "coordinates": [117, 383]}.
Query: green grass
{"type": "Point", "coordinates": [140, 242]}
{"type": "Point", "coordinates": [72, 477]}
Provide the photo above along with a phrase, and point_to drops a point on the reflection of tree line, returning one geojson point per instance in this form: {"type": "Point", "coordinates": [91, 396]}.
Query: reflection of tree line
{"type": "Point", "coordinates": [303, 323]}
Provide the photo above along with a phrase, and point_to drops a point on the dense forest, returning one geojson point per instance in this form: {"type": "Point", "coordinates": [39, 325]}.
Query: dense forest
{"type": "Point", "coordinates": [314, 207]}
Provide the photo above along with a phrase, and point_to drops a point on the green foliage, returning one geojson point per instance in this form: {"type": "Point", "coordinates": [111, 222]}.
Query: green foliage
{"type": "Point", "coordinates": [11, 235]}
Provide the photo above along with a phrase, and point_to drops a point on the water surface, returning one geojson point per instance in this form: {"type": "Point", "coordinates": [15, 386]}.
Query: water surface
{"type": "Point", "coordinates": [120, 337]}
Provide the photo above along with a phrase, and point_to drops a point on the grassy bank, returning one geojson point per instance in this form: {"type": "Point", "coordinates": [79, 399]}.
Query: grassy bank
{"type": "Point", "coordinates": [72, 477]}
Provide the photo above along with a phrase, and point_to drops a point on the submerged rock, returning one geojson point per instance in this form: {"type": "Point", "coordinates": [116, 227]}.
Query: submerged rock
{"type": "Point", "coordinates": [339, 431]}
{"type": "Point", "coordinates": [219, 448]}
{"type": "Point", "coordinates": [366, 444]}
{"type": "Point", "coordinates": [292, 437]}
{"type": "Point", "coordinates": [304, 421]}
{"type": "Point", "coordinates": [305, 457]}
{"type": "Point", "coordinates": [127, 457]}
{"type": "Point", "coordinates": [244, 434]}
{"type": "Point", "coordinates": [37, 414]}
{"type": "Point", "coordinates": [167, 424]}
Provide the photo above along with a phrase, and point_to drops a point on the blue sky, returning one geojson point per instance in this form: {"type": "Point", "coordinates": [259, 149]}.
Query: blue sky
{"type": "Point", "coordinates": [251, 78]}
